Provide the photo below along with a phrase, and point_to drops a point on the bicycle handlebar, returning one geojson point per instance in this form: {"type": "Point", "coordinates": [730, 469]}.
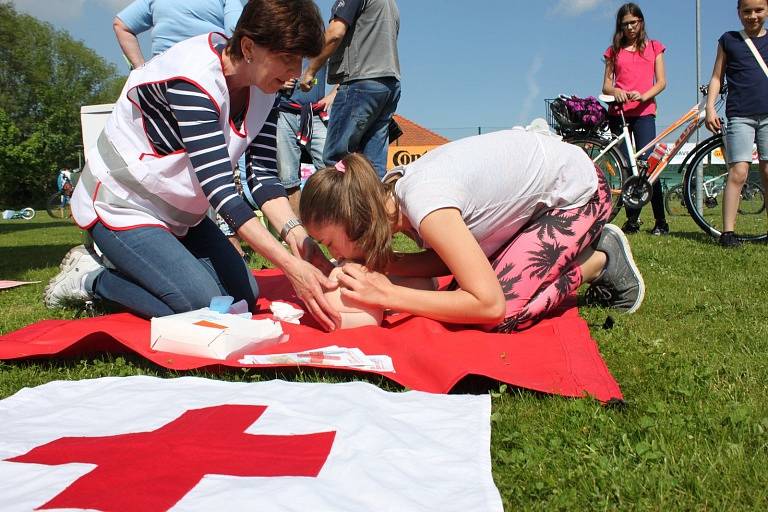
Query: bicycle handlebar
{"type": "Point", "coordinates": [723, 89]}
{"type": "Point", "coordinates": [608, 98]}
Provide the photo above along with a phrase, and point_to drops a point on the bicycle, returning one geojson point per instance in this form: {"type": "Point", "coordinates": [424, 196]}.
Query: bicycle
{"type": "Point", "coordinates": [24, 213]}
{"type": "Point", "coordinates": [631, 176]}
{"type": "Point", "coordinates": [58, 204]}
{"type": "Point", "coordinates": [674, 202]}
{"type": "Point", "coordinates": [704, 182]}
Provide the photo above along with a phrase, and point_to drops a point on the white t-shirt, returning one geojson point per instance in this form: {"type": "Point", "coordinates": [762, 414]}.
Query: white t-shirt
{"type": "Point", "coordinates": [498, 181]}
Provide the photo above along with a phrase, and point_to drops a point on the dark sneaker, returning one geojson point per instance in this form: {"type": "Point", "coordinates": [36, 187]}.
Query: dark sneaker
{"type": "Point", "coordinates": [631, 226]}
{"type": "Point", "coordinates": [661, 228]}
{"type": "Point", "coordinates": [620, 285]}
{"type": "Point", "coordinates": [728, 239]}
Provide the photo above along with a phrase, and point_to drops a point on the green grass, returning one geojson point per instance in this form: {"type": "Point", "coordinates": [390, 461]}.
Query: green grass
{"type": "Point", "coordinates": [692, 364]}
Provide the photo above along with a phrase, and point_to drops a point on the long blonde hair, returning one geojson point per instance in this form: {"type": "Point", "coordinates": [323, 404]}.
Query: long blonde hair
{"type": "Point", "coordinates": [356, 200]}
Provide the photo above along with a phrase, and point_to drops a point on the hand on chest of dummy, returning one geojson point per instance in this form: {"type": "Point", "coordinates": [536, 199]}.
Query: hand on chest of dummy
{"type": "Point", "coordinates": [352, 314]}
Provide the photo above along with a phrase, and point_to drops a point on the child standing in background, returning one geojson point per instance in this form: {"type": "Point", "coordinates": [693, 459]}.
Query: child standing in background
{"type": "Point", "coordinates": [746, 107]}
{"type": "Point", "coordinates": [634, 75]}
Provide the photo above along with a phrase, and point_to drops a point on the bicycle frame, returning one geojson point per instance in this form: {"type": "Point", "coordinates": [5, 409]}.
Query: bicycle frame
{"type": "Point", "coordinates": [694, 117]}
{"type": "Point", "coordinates": [711, 191]}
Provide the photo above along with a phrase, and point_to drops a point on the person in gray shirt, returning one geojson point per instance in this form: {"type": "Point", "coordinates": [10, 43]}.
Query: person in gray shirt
{"type": "Point", "coordinates": [361, 51]}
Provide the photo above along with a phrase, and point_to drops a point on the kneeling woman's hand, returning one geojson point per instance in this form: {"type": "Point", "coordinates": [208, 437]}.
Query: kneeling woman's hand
{"type": "Point", "coordinates": [365, 287]}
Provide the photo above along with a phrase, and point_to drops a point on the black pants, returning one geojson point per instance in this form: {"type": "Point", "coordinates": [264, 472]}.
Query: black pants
{"type": "Point", "coordinates": [643, 128]}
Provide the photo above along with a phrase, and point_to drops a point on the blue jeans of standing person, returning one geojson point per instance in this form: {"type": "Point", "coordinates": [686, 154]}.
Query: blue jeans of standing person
{"type": "Point", "coordinates": [289, 149]}
{"type": "Point", "coordinates": [359, 121]}
{"type": "Point", "coordinates": [643, 128]}
{"type": "Point", "coordinates": [157, 274]}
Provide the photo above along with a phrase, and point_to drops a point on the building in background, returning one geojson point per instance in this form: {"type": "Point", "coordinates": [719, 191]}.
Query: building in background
{"type": "Point", "coordinates": [412, 144]}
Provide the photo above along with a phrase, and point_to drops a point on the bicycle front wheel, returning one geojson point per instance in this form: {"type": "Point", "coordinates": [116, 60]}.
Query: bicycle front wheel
{"type": "Point", "coordinates": [58, 206]}
{"type": "Point", "coordinates": [704, 192]}
{"type": "Point", "coordinates": [612, 164]}
{"type": "Point", "coordinates": [674, 202]}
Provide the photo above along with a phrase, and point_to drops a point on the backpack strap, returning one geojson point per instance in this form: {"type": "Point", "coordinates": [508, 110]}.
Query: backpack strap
{"type": "Point", "coordinates": [754, 51]}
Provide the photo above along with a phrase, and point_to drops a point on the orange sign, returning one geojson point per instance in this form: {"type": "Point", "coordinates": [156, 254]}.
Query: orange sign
{"type": "Point", "coordinates": [404, 155]}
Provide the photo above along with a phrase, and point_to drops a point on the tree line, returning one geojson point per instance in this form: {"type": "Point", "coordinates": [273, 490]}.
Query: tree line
{"type": "Point", "coordinates": [45, 77]}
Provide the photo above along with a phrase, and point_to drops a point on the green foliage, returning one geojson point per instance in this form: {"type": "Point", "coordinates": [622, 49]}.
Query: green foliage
{"type": "Point", "coordinates": [45, 77]}
{"type": "Point", "coordinates": [691, 363]}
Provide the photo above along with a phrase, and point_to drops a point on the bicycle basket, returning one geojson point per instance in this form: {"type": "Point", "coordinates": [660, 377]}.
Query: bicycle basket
{"type": "Point", "coordinates": [572, 113]}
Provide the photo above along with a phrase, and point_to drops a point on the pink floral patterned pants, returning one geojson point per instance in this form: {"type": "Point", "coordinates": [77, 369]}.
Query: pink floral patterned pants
{"type": "Point", "coordinates": [537, 270]}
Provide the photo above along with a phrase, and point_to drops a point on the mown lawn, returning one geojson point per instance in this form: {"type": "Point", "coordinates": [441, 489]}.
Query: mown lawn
{"type": "Point", "coordinates": [693, 365]}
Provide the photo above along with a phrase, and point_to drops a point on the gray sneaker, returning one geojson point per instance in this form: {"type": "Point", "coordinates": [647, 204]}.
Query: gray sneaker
{"type": "Point", "coordinates": [68, 287]}
{"type": "Point", "coordinates": [620, 285]}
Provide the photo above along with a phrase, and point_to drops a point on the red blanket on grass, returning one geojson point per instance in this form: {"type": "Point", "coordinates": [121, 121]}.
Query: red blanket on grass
{"type": "Point", "coordinates": [556, 356]}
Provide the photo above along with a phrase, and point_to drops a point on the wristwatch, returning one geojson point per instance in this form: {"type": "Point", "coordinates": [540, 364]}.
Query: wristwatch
{"type": "Point", "coordinates": [292, 223]}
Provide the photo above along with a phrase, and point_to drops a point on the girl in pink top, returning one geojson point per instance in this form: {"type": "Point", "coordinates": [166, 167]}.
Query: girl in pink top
{"type": "Point", "coordinates": [634, 74]}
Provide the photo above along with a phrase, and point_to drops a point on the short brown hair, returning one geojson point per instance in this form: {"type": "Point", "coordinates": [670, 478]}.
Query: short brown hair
{"type": "Point", "coordinates": [356, 200]}
{"type": "Point", "coordinates": [280, 26]}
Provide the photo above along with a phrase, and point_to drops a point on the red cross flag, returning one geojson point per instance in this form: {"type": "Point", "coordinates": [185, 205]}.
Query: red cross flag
{"type": "Point", "coordinates": [149, 444]}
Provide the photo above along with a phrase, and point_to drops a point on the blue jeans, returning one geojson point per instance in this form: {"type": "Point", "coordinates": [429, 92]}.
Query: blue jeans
{"type": "Point", "coordinates": [157, 274]}
{"type": "Point", "coordinates": [289, 149]}
{"type": "Point", "coordinates": [643, 128]}
{"type": "Point", "coordinates": [359, 122]}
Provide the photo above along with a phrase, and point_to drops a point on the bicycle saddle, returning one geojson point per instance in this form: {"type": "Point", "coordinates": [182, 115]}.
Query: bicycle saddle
{"type": "Point", "coordinates": [606, 98]}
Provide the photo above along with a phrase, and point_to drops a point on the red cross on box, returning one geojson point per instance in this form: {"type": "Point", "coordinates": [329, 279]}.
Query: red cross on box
{"type": "Point", "coordinates": [151, 471]}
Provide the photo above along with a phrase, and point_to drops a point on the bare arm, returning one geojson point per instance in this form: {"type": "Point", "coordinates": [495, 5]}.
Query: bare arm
{"type": "Point", "coordinates": [609, 85]}
{"type": "Point", "coordinates": [327, 100]}
{"type": "Point", "coordinates": [128, 42]}
{"type": "Point", "coordinates": [479, 300]}
{"type": "Point", "coordinates": [660, 82]}
{"type": "Point", "coordinates": [713, 120]}
{"type": "Point", "coordinates": [418, 264]}
{"type": "Point", "coordinates": [334, 34]}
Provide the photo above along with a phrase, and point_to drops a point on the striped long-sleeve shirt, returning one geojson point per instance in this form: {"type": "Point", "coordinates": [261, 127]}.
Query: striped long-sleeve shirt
{"type": "Point", "coordinates": [178, 116]}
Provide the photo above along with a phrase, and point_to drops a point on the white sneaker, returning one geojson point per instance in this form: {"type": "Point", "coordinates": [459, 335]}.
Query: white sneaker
{"type": "Point", "coordinates": [73, 254]}
{"type": "Point", "coordinates": [69, 285]}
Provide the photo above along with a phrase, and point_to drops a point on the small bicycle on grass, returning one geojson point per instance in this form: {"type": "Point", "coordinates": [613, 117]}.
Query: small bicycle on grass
{"type": "Point", "coordinates": [631, 176]}
{"type": "Point", "coordinates": [24, 213]}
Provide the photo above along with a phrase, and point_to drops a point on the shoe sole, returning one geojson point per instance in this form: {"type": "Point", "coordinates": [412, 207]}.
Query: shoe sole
{"type": "Point", "coordinates": [628, 254]}
{"type": "Point", "coordinates": [50, 304]}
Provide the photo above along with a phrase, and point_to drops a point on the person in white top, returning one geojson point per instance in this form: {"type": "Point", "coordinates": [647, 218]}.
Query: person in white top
{"type": "Point", "coordinates": [166, 156]}
{"type": "Point", "coordinates": [517, 217]}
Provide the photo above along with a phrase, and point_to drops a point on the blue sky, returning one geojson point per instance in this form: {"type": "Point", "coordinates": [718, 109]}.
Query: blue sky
{"type": "Point", "coordinates": [487, 63]}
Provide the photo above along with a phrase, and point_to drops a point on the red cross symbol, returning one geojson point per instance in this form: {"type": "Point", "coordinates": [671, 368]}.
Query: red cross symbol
{"type": "Point", "coordinates": [154, 470]}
